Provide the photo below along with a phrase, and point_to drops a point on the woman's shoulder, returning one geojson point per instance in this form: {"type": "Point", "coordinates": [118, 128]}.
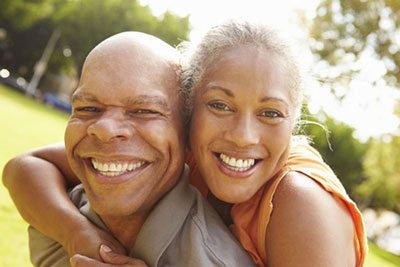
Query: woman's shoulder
{"type": "Point", "coordinates": [298, 194]}
{"type": "Point", "coordinates": [305, 220]}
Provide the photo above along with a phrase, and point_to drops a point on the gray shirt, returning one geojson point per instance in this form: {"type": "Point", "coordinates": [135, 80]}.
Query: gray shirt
{"type": "Point", "coordinates": [182, 230]}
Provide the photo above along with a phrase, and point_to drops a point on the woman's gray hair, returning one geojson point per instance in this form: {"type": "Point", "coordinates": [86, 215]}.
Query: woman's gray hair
{"type": "Point", "coordinates": [232, 34]}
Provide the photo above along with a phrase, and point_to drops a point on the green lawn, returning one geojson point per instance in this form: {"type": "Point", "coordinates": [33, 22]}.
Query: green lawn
{"type": "Point", "coordinates": [26, 124]}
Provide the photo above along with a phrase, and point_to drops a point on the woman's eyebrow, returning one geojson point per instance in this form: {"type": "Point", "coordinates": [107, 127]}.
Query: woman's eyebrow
{"type": "Point", "coordinates": [226, 91]}
{"type": "Point", "coordinates": [272, 98]}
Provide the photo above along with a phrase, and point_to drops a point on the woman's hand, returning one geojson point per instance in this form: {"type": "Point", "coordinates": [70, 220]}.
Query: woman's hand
{"type": "Point", "coordinates": [86, 241]}
{"type": "Point", "coordinates": [109, 257]}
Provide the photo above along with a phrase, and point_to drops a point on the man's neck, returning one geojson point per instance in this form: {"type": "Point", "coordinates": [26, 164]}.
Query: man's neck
{"type": "Point", "coordinates": [126, 229]}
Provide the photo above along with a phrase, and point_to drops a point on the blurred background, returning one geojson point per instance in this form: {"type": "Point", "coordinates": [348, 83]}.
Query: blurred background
{"type": "Point", "coordinates": [350, 51]}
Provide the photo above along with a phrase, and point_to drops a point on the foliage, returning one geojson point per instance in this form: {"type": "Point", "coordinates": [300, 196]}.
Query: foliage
{"type": "Point", "coordinates": [344, 31]}
{"type": "Point", "coordinates": [24, 14]}
{"type": "Point", "coordinates": [82, 24]}
{"type": "Point", "coordinates": [346, 35]}
{"type": "Point", "coordinates": [382, 169]}
{"type": "Point", "coordinates": [340, 150]}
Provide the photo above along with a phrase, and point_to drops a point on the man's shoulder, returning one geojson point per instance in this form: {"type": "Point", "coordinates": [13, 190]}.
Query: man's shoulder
{"type": "Point", "coordinates": [211, 241]}
{"type": "Point", "coordinates": [78, 196]}
{"type": "Point", "coordinates": [44, 251]}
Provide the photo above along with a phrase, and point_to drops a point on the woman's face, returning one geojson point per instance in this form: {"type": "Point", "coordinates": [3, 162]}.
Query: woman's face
{"type": "Point", "coordinates": [242, 122]}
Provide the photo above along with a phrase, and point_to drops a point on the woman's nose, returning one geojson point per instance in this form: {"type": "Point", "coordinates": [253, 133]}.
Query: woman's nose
{"type": "Point", "coordinates": [243, 131]}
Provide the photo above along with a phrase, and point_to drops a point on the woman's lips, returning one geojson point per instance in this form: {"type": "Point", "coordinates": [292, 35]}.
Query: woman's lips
{"type": "Point", "coordinates": [236, 167]}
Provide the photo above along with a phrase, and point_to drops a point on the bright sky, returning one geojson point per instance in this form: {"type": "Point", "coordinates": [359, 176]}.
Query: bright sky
{"type": "Point", "coordinates": [366, 108]}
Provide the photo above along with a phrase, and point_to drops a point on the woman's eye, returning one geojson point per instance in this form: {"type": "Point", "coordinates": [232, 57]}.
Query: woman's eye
{"type": "Point", "coordinates": [218, 106]}
{"type": "Point", "coordinates": [272, 114]}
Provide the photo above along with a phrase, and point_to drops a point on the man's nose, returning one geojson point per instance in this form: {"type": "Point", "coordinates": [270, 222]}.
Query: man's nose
{"type": "Point", "coordinates": [243, 131]}
{"type": "Point", "coordinates": [112, 125]}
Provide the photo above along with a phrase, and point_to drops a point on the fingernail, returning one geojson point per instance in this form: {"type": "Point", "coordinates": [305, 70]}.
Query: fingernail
{"type": "Point", "coordinates": [106, 248]}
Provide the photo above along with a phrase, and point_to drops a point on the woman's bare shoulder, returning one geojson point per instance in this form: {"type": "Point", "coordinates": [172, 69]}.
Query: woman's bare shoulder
{"type": "Point", "coordinates": [309, 224]}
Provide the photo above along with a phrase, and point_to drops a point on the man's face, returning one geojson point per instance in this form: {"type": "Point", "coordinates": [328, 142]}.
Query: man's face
{"type": "Point", "coordinates": [124, 139]}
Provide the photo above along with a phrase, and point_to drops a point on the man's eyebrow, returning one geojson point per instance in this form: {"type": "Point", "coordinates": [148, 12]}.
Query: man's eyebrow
{"type": "Point", "coordinates": [148, 99]}
{"type": "Point", "coordinates": [226, 91]}
{"type": "Point", "coordinates": [84, 97]}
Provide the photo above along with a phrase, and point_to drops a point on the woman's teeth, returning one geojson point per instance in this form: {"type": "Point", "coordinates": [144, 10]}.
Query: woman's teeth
{"type": "Point", "coordinates": [115, 169]}
{"type": "Point", "coordinates": [236, 164]}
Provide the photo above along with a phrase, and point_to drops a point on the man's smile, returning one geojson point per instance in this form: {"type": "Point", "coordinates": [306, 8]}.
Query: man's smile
{"type": "Point", "coordinates": [116, 168]}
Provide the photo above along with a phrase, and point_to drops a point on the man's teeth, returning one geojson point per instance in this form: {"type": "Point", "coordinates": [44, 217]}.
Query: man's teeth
{"type": "Point", "coordinates": [115, 169]}
{"type": "Point", "coordinates": [237, 164]}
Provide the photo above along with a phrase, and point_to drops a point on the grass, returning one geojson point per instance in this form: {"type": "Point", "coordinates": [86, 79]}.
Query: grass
{"type": "Point", "coordinates": [27, 124]}
{"type": "Point", "coordinates": [24, 124]}
{"type": "Point", "coordinates": [378, 257]}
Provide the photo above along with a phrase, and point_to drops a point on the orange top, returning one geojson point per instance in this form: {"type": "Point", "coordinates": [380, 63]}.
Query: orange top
{"type": "Point", "coordinates": [251, 218]}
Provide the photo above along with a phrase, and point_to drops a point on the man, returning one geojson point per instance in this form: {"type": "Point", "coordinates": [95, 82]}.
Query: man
{"type": "Point", "coordinates": [125, 142]}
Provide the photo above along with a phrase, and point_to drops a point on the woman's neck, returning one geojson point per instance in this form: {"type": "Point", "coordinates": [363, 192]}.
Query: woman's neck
{"type": "Point", "coordinates": [222, 208]}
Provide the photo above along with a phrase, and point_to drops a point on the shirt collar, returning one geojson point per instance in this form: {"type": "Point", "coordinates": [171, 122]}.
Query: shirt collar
{"type": "Point", "coordinates": [164, 222]}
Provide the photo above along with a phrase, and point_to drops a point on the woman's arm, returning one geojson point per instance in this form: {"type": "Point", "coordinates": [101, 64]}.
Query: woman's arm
{"type": "Point", "coordinates": [309, 227]}
{"type": "Point", "coordinates": [37, 182]}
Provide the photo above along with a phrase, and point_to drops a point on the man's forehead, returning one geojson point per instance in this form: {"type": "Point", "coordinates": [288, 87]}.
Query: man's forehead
{"type": "Point", "coordinates": [135, 49]}
{"type": "Point", "coordinates": [129, 68]}
{"type": "Point", "coordinates": [147, 71]}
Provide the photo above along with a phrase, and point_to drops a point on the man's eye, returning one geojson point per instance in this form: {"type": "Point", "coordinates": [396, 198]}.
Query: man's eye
{"type": "Point", "coordinates": [218, 106]}
{"type": "Point", "coordinates": [146, 111]}
{"type": "Point", "coordinates": [88, 109]}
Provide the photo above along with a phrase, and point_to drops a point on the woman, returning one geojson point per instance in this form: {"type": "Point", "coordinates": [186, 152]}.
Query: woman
{"type": "Point", "coordinates": [282, 202]}
{"type": "Point", "coordinates": [244, 87]}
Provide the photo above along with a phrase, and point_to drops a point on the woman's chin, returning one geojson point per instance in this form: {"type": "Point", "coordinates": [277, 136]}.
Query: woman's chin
{"type": "Point", "coordinates": [231, 195]}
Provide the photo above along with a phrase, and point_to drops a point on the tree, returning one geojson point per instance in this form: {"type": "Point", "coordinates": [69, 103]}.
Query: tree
{"type": "Point", "coordinates": [382, 169]}
{"type": "Point", "coordinates": [345, 35]}
{"type": "Point", "coordinates": [22, 14]}
{"type": "Point", "coordinates": [26, 27]}
{"type": "Point", "coordinates": [82, 24]}
{"type": "Point", "coordinates": [345, 31]}
{"type": "Point", "coordinates": [338, 147]}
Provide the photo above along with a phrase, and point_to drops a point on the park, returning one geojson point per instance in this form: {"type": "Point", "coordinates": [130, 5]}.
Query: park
{"type": "Point", "coordinates": [33, 114]}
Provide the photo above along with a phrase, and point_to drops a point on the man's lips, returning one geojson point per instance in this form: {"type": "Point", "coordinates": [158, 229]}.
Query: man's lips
{"type": "Point", "coordinates": [107, 171]}
{"type": "Point", "coordinates": [115, 168]}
